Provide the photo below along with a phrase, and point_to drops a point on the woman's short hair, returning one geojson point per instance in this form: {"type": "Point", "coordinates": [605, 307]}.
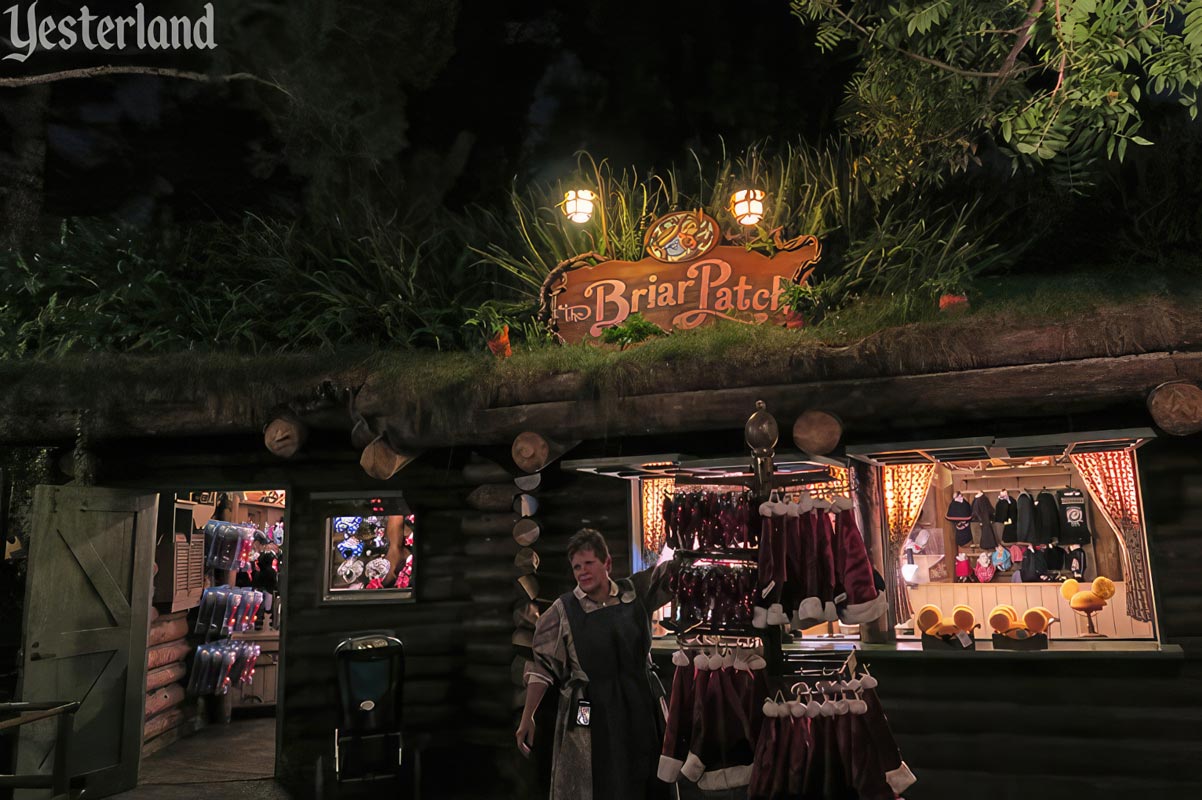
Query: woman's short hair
{"type": "Point", "coordinates": [588, 539]}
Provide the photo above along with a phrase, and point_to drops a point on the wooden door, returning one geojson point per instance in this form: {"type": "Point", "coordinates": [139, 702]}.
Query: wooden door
{"type": "Point", "coordinates": [87, 600]}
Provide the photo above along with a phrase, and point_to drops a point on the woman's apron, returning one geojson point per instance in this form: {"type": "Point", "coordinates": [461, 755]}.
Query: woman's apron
{"type": "Point", "coordinates": [612, 645]}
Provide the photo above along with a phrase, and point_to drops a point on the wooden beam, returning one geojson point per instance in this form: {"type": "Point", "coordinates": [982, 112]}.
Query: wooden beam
{"type": "Point", "coordinates": [1015, 391]}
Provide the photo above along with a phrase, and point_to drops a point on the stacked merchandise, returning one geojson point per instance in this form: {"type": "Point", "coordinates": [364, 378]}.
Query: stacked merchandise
{"type": "Point", "coordinates": [228, 546]}
{"type": "Point", "coordinates": [221, 665]}
{"type": "Point", "coordinates": [225, 610]}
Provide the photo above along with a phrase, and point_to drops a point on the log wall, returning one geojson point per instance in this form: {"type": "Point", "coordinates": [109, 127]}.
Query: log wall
{"type": "Point", "coordinates": [167, 711]}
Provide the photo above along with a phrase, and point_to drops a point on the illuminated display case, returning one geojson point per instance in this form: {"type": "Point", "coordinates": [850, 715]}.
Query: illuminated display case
{"type": "Point", "coordinates": [369, 552]}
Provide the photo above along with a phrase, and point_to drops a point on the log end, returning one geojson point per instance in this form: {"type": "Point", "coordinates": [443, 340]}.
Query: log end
{"type": "Point", "coordinates": [285, 435]}
{"type": "Point", "coordinates": [1177, 408]}
{"type": "Point", "coordinates": [817, 432]}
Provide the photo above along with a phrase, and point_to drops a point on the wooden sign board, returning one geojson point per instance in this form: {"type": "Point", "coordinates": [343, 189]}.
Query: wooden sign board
{"type": "Point", "coordinates": [729, 283]}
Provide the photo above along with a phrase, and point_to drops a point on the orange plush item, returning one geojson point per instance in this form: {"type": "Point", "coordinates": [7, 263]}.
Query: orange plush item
{"type": "Point", "coordinates": [1002, 618]}
{"type": "Point", "coordinates": [1038, 619]}
{"type": "Point", "coordinates": [928, 617]}
{"type": "Point", "coordinates": [1069, 588]}
{"type": "Point", "coordinates": [1087, 601]}
{"type": "Point", "coordinates": [964, 618]}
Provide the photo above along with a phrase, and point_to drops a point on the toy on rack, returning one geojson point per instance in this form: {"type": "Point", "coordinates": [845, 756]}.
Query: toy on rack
{"type": "Point", "coordinates": [228, 546]}
{"type": "Point", "coordinates": [227, 609]}
{"type": "Point", "coordinates": [220, 665]}
{"type": "Point", "coordinates": [363, 552]}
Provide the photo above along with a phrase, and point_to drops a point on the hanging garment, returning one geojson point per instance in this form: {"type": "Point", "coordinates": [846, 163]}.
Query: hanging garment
{"type": "Point", "coordinates": [809, 608]}
{"type": "Point", "coordinates": [1035, 568]}
{"type": "Point", "coordinates": [1074, 523]}
{"type": "Point", "coordinates": [982, 519]}
{"type": "Point", "coordinates": [726, 746]}
{"type": "Point", "coordinates": [679, 729]}
{"type": "Point", "coordinates": [1054, 556]}
{"type": "Point", "coordinates": [1047, 519]}
{"type": "Point", "coordinates": [1004, 522]}
{"type": "Point", "coordinates": [1024, 517]}
{"type": "Point", "coordinates": [959, 513]}
{"type": "Point", "coordinates": [857, 599]}
{"type": "Point", "coordinates": [963, 568]}
{"type": "Point", "coordinates": [1017, 553]}
{"type": "Point", "coordinates": [772, 566]}
{"type": "Point", "coordinates": [1077, 563]}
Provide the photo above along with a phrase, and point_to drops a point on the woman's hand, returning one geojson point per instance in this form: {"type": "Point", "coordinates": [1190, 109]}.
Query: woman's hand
{"type": "Point", "coordinates": [525, 735]}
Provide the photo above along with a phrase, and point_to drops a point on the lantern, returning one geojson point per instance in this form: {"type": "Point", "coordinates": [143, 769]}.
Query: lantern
{"type": "Point", "coordinates": [747, 206]}
{"type": "Point", "coordinates": [577, 205]}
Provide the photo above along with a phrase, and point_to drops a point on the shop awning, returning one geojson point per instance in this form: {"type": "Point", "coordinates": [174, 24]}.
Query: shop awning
{"type": "Point", "coordinates": [1054, 446]}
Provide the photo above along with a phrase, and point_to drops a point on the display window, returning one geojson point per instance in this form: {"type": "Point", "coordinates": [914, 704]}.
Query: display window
{"type": "Point", "coordinates": [1050, 527]}
{"type": "Point", "coordinates": [369, 548]}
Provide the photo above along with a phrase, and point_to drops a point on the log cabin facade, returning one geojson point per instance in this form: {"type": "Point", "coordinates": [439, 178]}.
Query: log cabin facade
{"type": "Point", "coordinates": [1038, 723]}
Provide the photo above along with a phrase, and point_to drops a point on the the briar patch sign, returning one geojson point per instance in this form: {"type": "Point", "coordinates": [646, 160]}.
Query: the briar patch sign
{"type": "Point", "coordinates": [726, 283]}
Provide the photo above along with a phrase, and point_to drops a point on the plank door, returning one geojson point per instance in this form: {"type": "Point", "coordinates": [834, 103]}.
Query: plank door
{"type": "Point", "coordinates": [87, 600]}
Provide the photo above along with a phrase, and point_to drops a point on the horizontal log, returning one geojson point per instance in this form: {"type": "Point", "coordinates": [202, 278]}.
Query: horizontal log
{"type": "Point", "coordinates": [490, 548]}
{"type": "Point", "coordinates": [162, 654]}
{"type": "Point", "coordinates": [479, 472]}
{"type": "Point", "coordinates": [166, 697]}
{"type": "Point", "coordinates": [525, 505]}
{"type": "Point", "coordinates": [528, 483]}
{"type": "Point", "coordinates": [162, 723]}
{"type": "Point", "coordinates": [490, 654]}
{"type": "Point", "coordinates": [167, 630]}
{"type": "Point", "coordinates": [157, 678]}
{"type": "Point", "coordinates": [492, 497]}
{"type": "Point", "coordinates": [489, 524]}
{"type": "Point", "coordinates": [526, 532]}
{"type": "Point", "coordinates": [866, 404]}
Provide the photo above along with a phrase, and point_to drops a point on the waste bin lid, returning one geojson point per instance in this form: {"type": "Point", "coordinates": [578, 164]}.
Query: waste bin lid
{"type": "Point", "coordinates": [371, 641]}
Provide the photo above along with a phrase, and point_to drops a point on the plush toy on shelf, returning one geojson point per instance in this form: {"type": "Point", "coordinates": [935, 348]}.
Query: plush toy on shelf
{"type": "Point", "coordinates": [1090, 601]}
{"type": "Point", "coordinates": [959, 625]}
{"type": "Point", "coordinates": [1005, 622]}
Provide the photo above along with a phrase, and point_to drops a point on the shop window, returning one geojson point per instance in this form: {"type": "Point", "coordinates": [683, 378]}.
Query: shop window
{"type": "Point", "coordinates": [988, 523]}
{"type": "Point", "coordinates": [370, 542]}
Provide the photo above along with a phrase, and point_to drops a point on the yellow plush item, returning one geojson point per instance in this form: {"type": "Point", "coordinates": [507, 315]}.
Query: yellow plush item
{"type": "Point", "coordinates": [1103, 587]}
{"type": "Point", "coordinates": [1037, 619]}
{"type": "Point", "coordinates": [928, 617]}
{"type": "Point", "coordinates": [1086, 601]}
{"type": "Point", "coordinates": [1069, 588]}
{"type": "Point", "coordinates": [964, 617]}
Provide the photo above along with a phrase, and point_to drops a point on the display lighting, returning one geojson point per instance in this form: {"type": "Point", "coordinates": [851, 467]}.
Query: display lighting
{"type": "Point", "coordinates": [578, 205]}
{"type": "Point", "coordinates": [747, 206]}
{"type": "Point", "coordinates": [906, 487]}
{"type": "Point", "coordinates": [654, 527]}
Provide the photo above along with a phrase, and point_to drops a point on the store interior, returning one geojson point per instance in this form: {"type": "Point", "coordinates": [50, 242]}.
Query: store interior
{"type": "Point", "coordinates": [214, 642]}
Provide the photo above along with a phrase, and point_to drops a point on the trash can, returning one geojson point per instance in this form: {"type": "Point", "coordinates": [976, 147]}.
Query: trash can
{"type": "Point", "coordinates": [371, 674]}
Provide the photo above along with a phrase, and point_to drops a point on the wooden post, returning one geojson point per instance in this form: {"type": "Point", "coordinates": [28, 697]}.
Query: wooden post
{"type": "Point", "coordinates": [817, 432]}
{"type": "Point", "coordinates": [1177, 408]}
{"type": "Point", "coordinates": [285, 434]}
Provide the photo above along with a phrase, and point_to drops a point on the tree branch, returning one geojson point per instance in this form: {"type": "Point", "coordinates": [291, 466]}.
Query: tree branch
{"type": "Point", "coordinates": [943, 65]}
{"type": "Point", "coordinates": [1023, 39]}
{"type": "Point", "coordinates": [166, 72]}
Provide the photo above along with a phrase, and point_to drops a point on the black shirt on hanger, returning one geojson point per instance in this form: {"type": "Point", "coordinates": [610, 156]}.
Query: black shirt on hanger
{"type": "Point", "coordinates": [1074, 522]}
{"type": "Point", "coordinates": [1047, 519]}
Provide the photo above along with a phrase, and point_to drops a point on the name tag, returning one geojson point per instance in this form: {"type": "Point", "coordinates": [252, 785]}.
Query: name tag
{"type": "Point", "coordinates": [583, 713]}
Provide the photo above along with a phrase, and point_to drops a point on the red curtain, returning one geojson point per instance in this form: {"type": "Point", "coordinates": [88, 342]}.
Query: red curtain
{"type": "Point", "coordinates": [906, 487]}
{"type": "Point", "coordinates": [1112, 481]}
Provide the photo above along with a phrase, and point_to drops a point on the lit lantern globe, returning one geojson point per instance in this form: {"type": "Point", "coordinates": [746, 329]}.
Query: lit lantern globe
{"type": "Point", "coordinates": [747, 206]}
{"type": "Point", "coordinates": [578, 205]}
